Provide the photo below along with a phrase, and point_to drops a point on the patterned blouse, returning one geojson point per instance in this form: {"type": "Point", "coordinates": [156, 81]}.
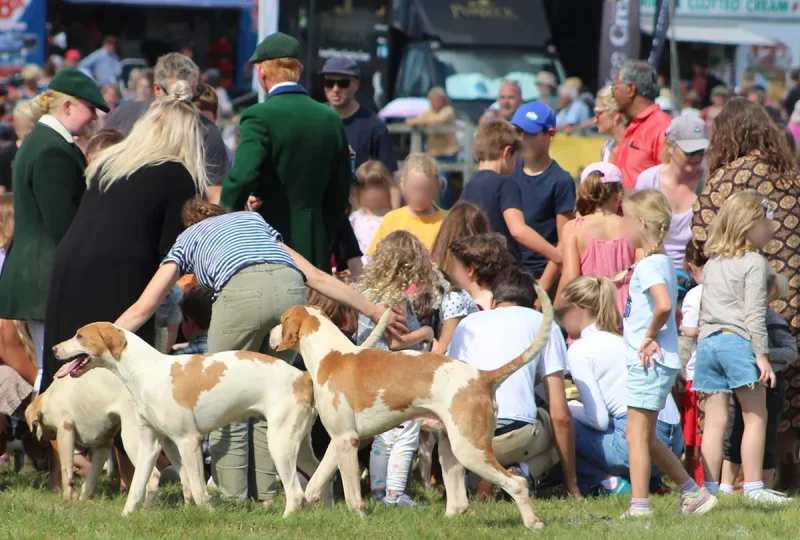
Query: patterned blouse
{"type": "Point", "coordinates": [783, 252]}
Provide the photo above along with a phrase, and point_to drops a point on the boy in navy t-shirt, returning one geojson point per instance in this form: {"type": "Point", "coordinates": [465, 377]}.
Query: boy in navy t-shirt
{"type": "Point", "coordinates": [497, 145]}
{"type": "Point", "coordinates": [548, 191]}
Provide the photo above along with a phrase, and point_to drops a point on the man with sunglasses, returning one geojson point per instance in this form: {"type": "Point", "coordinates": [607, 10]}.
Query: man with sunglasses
{"type": "Point", "coordinates": [635, 89]}
{"type": "Point", "coordinates": [366, 132]}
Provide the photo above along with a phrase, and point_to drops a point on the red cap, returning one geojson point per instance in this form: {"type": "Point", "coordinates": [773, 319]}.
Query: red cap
{"type": "Point", "coordinates": [72, 55]}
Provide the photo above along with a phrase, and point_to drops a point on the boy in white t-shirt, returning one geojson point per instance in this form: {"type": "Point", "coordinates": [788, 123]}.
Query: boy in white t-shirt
{"type": "Point", "coordinates": [525, 434]}
{"type": "Point", "coordinates": [690, 328]}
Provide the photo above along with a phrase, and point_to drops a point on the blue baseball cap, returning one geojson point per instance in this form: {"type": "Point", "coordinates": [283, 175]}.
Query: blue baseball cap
{"type": "Point", "coordinates": [534, 117]}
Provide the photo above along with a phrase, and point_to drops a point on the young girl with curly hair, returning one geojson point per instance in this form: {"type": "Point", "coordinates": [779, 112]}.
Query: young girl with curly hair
{"type": "Point", "coordinates": [401, 272]}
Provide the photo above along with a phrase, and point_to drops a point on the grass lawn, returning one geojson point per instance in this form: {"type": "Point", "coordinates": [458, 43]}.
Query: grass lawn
{"type": "Point", "coordinates": [28, 510]}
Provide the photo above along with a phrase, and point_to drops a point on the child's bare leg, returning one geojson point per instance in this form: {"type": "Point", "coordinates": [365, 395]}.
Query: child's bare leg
{"type": "Point", "coordinates": [666, 460]}
{"type": "Point", "coordinates": [730, 471]}
{"type": "Point", "coordinates": [641, 424]}
{"type": "Point", "coordinates": [714, 435]}
{"type": "Point", "coordinates": [125, 469]}
{"type": "Point", "coordinates": [754, 412]}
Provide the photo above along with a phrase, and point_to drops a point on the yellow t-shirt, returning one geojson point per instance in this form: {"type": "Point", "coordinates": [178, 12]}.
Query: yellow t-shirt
{"type": "Point", "coordinates": [423, 227]}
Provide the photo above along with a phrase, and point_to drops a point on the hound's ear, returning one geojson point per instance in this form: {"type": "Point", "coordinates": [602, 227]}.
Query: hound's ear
{"type": "Point", "coordinates": [115, 341]}
{"type": "Point", "coordinates": [33, 414]}
{"type": "Point", "coordinates": [290, 332]}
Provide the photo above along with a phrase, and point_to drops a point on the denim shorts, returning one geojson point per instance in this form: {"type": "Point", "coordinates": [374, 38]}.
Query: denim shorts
{"type": "Point", "coordinates": [725, 362]}
{"type": "Point", "coordinates": [648, 390]}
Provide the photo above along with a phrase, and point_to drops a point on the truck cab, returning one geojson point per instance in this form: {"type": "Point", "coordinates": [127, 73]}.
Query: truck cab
{"type": "Point", "coordinates": [469, 48]}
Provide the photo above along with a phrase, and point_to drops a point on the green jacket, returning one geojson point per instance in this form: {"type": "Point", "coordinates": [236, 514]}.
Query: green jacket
{"type": "Point", "coordinates": [293, 155]}
{"type": "Point", "coordinates": [47, 182]}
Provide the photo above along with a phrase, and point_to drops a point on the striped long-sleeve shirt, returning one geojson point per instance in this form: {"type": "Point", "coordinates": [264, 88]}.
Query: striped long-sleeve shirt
{"type": "Point", "coordinates": [215, 249]}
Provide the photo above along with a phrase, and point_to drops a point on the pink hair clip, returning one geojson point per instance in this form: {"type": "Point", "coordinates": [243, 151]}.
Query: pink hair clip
{"type": "Point", "coordinates": [411, 291]}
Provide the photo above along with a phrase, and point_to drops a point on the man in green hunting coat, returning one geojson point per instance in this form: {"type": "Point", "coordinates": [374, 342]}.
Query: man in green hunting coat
{"type": "Point", "coordinates": [47, 183]}
{"type": "Point", "coordinates": [293, 162]}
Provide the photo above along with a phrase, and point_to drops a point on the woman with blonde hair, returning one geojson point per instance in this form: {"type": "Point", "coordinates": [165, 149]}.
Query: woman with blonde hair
{"type": "Point", "coordinates": [589, 315]}
{"type": "Point", "coordinates": [441, 146]}
{"type": "Point", "coordinates": [610, 121]}
{"type": "Point", "coordinates": [127, 222]}
{"type": "Point", "coordinates": [25, 116]}
{"type": "Point", "coordinates": [48, 185]}
{"type": "Point", "coordinates": [31, 77]}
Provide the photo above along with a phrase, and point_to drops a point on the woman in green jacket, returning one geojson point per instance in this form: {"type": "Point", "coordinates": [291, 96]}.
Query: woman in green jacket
{"type": "Point", "coordinates": [48, 183]}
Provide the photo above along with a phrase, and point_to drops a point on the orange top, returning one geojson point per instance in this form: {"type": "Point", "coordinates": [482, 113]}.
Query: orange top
{"type": "Point", "coordinates": [641, 147]}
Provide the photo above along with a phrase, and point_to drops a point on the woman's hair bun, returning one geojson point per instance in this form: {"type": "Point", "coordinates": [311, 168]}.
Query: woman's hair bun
{"type": "Point", "coordinates": [181, 90]}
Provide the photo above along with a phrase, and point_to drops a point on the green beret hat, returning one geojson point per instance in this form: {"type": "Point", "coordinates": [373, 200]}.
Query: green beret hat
{"type": "Point", "coordinates": [73, 82]}
{"type": "Point", "coordinates": [276, 46]}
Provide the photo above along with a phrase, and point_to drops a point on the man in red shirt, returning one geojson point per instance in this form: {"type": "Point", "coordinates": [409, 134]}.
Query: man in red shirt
{"type": "Point", "coordinates": [635, 89]}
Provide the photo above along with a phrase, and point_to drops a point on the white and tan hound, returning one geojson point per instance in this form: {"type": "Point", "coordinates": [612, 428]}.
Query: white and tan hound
{"type": "Point", "coordinates": [362, 392]}
{"type": "Point", "coordinates": [181, 398]}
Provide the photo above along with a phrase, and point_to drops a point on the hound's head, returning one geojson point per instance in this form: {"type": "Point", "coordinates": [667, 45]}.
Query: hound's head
{"type": "Point", "coordinates": [33, 416]}
{"type": "Point", "coordinates": [95, 345]}
{"type": "Point", "coordinates": [298, 322]}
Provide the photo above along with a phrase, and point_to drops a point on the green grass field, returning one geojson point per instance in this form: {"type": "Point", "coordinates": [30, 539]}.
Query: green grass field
{"type": "Point", "coordinates": [28, 510]}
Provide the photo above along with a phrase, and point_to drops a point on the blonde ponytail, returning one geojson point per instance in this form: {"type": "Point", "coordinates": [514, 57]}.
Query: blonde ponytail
{"type": "Point", "coordinates": [598, 296]}
{"type": "Point", "coordinates": [51, 100]}
{"type": "Point", "coordinates": [652, 207]}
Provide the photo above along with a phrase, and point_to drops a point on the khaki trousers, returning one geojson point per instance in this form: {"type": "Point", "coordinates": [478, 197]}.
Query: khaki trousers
{"type": "Point", "coordinates": [533, 445]}
{"type": "Point", "coordinates": [249, 306]}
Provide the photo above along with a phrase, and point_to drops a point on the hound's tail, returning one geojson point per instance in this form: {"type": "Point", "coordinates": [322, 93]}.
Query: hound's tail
{"type": "Point", "coordinates": [377, 332]}
{"type": "Point", "coordinates": [497, 376]}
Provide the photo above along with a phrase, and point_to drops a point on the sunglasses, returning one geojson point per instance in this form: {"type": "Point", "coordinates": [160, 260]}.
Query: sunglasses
{"type": "Point", "coordinates": [344, 84]}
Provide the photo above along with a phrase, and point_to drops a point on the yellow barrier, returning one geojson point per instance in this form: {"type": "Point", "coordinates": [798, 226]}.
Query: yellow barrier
{"type": "Point", "coordinates": [574, 153]}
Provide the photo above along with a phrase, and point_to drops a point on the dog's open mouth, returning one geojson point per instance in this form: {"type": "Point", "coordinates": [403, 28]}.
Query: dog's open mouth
{"type": "Point", "coordinates": [74, 367]}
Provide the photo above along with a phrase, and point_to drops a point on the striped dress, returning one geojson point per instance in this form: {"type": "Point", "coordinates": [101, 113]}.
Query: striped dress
{"type": "Point", "coordinates": [215, 249]}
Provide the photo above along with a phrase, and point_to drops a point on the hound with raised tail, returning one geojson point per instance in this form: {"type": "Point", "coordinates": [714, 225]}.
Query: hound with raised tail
{"type": "Point", "coordinates": [362, 392]}
{"type": "Point", "coordinates": [180, 398]}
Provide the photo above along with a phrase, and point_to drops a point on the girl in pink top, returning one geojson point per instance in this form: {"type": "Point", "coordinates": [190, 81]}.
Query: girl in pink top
{"type": "Point", "coordinates": [594, 243]}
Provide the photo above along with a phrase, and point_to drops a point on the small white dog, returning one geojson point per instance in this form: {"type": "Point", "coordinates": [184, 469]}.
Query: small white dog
{"type": "Point", "coordinates": [183, 397]}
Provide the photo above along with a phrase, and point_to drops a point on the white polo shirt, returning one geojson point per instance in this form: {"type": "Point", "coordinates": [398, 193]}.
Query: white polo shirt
{"type": "Point", "coordinates": [490, 339]}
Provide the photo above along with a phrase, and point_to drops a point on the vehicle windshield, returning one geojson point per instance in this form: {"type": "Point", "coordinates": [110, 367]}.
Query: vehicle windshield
{"type": "Point", "coordinates": [473, 75]}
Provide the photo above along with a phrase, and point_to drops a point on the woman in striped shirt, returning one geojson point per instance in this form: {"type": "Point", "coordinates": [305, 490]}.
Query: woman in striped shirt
{"type": "Point", "coordinates": [254, 278]}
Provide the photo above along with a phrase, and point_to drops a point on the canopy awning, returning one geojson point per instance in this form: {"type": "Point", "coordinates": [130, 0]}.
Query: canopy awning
{"type": "Point", "coordinates": [729, 35]}
{"type": "Point", "coordinates": [212, 4]}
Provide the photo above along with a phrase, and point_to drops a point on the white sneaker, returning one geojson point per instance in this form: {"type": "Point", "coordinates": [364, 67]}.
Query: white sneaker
{"type": "Point", "coordinates": [768, 496]}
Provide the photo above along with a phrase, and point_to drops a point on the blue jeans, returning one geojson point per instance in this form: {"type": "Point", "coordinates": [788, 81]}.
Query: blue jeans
{"type": "Point", "coordinates": [446, 199]}
{"type": "Point", "coordinates": [600, 454]}
{"type": "Point", "coordinates": [725, 362]}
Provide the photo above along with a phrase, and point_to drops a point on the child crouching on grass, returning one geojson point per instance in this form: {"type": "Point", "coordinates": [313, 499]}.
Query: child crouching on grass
{"type": "Point", "coordinates": [651, 340]}
{"type": "Point", "coordinates": [732, 355]}
{"type": "Point", "coordinates": [400, 273]}
{"type": "Point", "coordinates": [782, 352]}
